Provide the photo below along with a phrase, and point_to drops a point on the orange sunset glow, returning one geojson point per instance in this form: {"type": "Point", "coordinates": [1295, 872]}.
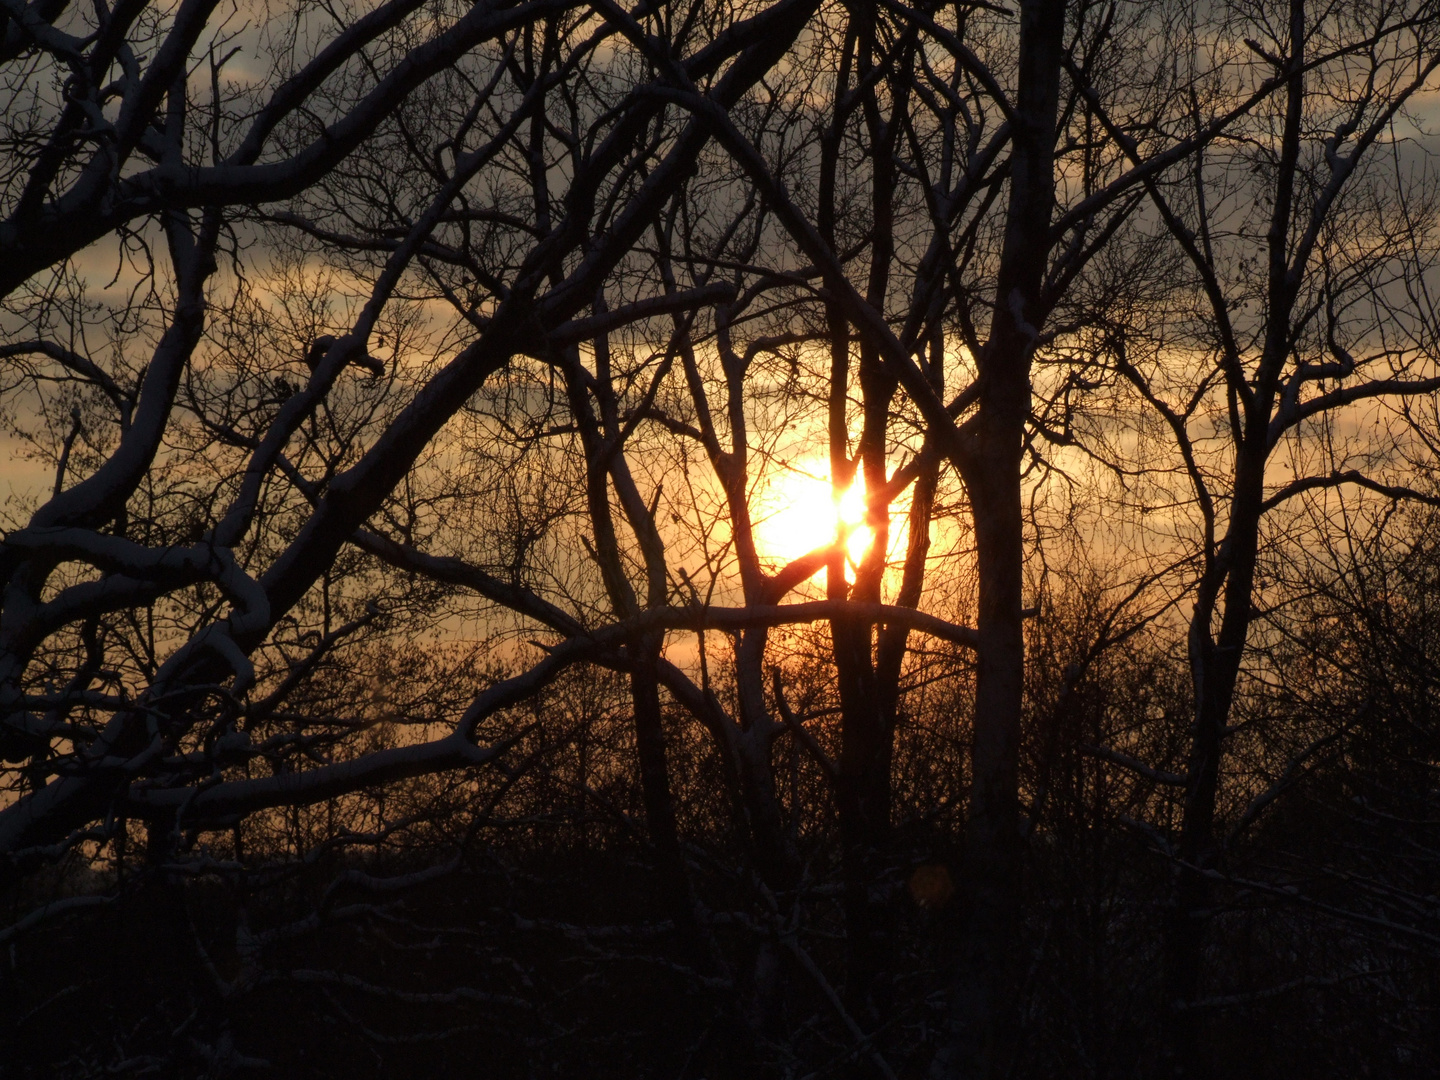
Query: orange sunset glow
{"type": "Point", "coordinates": [800, 512]}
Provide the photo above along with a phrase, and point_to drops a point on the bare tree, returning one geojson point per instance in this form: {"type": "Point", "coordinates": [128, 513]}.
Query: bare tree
{"type": "Point", "coordinates": [994, 117]}
{"type": "Point", "coordinates": [1309, 259]}
{"type": "Point", "coordinates": [263, 566]}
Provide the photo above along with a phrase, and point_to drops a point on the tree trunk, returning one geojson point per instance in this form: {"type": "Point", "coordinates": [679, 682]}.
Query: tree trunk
{"type": "Point", "coordinates": [1215, 668]}
{"type": "Point", "coordinates": [977, 1043]}
{"type": "Point", "coordinates": [675, 892]}
{"type": "Point", "coordinates": [1215, 661]}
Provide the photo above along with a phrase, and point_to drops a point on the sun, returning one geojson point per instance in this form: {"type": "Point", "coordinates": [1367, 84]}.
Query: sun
{"type": "Point", "coordinates": [799, 512]}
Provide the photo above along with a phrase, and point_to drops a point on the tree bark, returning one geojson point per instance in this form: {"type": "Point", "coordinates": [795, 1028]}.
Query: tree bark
{"type": "Point", "coordinates": [977, 1044]}
{"type": "Point", "coordinates": [1228, 586]}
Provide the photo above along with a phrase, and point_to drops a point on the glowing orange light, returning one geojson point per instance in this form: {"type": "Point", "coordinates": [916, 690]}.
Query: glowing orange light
{"type": "Point", "coordinates": [800, 512]}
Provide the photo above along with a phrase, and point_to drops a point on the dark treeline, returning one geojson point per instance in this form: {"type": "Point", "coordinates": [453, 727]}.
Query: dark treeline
{"type": "Point", "coordinates": [720, 540]}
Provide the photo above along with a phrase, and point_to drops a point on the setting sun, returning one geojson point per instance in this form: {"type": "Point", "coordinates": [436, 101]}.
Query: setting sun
{"type": "Point", "coordinates": [799, 513]}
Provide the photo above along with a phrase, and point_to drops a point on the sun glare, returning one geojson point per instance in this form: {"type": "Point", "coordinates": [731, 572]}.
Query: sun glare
{"type": "Point", "coordinates": [799, 513]}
